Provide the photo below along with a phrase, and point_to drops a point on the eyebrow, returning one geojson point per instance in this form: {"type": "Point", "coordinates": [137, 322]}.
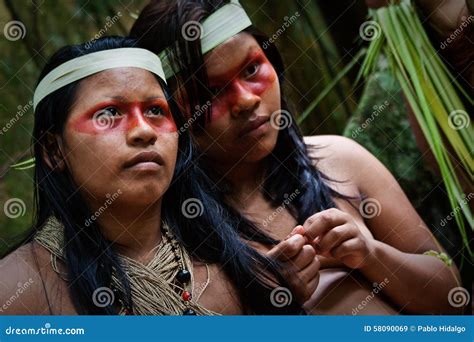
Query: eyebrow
{"type": "Point", "coordinates": [123, 99]}
{"type": "Point", "coordinates": [252, 52]}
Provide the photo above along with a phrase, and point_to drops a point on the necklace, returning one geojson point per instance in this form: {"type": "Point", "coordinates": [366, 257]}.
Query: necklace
{"type": "Point", "coordinates": [161, 287]}
{"type": "Point", "coordinates": [183, 276]}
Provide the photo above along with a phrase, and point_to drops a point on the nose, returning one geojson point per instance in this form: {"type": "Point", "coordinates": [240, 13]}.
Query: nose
{"type": "Point", "coordinates": [245, 100]}
{"type": "Point", "coordinates": [140, 132]}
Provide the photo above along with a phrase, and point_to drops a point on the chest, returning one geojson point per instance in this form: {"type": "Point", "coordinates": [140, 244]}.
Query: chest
{"type": "Point", "coordinates": [276, 221]}
{"type": "Point", "coordinates": [214, 290]}
{"type": "Point", "coordinates": [211, 289]}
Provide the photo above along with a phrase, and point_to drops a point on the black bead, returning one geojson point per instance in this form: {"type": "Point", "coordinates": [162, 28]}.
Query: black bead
{"type": "Point", "coordinates": [183, 276]}
{"type": "Point", "coordinates": [189, 312]}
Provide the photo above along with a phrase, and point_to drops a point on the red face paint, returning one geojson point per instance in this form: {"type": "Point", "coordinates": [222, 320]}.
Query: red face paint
{"type": "Point", "coordinates": [234, 83]}
{"type": "Point", "coordinates": [99, 120]}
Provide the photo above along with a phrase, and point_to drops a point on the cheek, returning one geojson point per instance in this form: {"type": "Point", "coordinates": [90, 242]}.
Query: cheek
{"type": "Point", "coordinates": [265, 80]}
{"type": "Point", "coordinates": [271, 97]}
{"type": "Point", "coordinates": [169, 149]}
{"type": "Point", "coordinates": [88, 155]}
{"type": "Point", "coordinates": [167, 125]}
{"type": "Point", "coordinates": [262, 85]}
{"type": "Point", "coordinates": [219, 108]}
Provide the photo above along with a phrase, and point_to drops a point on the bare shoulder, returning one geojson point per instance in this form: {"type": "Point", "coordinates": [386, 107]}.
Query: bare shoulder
{"type": "Point", "coordinates": [22, 281]}
{"type": "Point", "coordinates": [337, 149]}
{"type": "Point", "coordinates": [341, 158]}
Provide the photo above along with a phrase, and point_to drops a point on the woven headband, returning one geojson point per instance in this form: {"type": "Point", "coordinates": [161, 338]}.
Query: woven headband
{"type": "Point", "coordinates": [95, 62]}
{"type": "Point", "coordinates": [224, 23]}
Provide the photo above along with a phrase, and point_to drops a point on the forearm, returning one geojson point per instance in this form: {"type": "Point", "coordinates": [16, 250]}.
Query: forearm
{"type": "Point", "coordinates": [445, 16]}
{"type": "Point", "coordinates": [416, 283]}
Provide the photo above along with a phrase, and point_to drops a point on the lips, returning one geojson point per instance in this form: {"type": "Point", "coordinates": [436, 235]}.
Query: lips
{"type": "Point", "coordinates": [145, 158]}
{"type": "Point", "coordinates": [253, 124]}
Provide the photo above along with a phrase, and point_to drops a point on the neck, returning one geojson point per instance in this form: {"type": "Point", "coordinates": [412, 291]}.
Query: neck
{"type": "Point", "coordinates": [135, 232]}
{"type": "Point", "coordinates": [244, 177]}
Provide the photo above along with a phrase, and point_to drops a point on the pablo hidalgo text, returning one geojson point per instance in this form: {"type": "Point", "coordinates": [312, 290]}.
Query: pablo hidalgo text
{"type": "Point", "coordinates": [442, 328]}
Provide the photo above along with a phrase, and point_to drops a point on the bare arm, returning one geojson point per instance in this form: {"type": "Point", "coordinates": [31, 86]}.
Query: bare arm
{"type": "Point", "coordinates": [445, 16]}
{"type": "Point", "coordinates": [21, 285]}
{"type": "Point", "coordinates": [416, 282]}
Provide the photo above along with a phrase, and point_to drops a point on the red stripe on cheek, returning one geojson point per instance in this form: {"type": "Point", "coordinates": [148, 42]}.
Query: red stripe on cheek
{"type": "Point", "coordinates": [167, 125]}
{"type": "Point", "coordinates": [161, 123]}
{"type": "Point", "coordinates": [264, 79]}
{"type": "Point", "coordinates": [259, 84]}
{"type": "Point", "coordinates": [219, 108]}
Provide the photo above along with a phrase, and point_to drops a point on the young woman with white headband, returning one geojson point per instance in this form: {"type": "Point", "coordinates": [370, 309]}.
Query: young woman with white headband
{"type": "Point", "coordinates": [113, 176]}
{"type": "Point", "coordinates": [257, 157]}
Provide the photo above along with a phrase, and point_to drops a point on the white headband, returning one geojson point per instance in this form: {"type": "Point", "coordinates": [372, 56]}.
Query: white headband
{"type": "Point", "coordinates": [224, 23]}
{"type": "Point", "coordinates": [93, 63]}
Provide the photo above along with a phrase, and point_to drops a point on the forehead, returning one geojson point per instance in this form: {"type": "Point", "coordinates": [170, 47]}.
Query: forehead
{"type": "Point", "coordinates": [128, 82]}
{"type": "Point", "coordinates": [230, 54]}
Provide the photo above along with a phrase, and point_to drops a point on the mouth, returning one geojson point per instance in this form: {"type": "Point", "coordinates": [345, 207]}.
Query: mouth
{"type": "Point", "coordinates": [145, 161]}
{"type": "Point", "coordinates": [254, 125]}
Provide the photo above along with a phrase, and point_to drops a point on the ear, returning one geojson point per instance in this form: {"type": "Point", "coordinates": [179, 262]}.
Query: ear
{"type": "Point", "coordinates": [52, 152]}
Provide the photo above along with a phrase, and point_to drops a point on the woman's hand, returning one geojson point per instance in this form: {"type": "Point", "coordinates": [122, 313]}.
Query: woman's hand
{"type": "Point", "coordinates": [334, 233]}
{"type": "Point", "coordinates": [300, 264]}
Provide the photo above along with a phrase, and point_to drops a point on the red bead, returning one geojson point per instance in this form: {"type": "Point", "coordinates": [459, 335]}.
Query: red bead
{"type": "Point", "coordinates": [186, 296]}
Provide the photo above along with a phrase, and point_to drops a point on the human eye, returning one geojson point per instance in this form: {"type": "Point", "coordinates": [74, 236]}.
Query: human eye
{"type": "Point", "coordinates": [251, 69]}
{"type": "Point", "coordinates": [155, 111]}
{"type": "Point", "coordinates": [107, 112]}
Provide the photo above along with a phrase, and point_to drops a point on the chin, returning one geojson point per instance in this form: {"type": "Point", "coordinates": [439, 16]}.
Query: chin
{"type": "Point", "coordinates": [144, 194]}
{"type": "Point", "coordinates": [261, 149]}
{"type": "Point", "coordinates": [259, 152]}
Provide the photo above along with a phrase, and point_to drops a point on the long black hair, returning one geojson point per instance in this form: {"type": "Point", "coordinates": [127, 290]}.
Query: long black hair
{"type": "Point", "coordinates": [289, 166]}
{"type": "Point", "coordinates": [90, 257]}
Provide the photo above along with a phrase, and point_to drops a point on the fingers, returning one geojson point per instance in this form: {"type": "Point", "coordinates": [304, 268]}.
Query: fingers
{"type": "Point", "coordinates": [309, 280]}
{"type": "Point", "coordinates": [297, 230]}
{"type": "Point", "coordinates": [320, 223]}
{"type": "Point", "coordinates": [346, 248]}
{"type": "Point", "coordinates": [287, 249]}
{"type": "Point", "coordinates": [304, 257]}
{"type": "Point", "coordinates": [335, 237]}
{"type": "Point", "coordinates": [310, 271]}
